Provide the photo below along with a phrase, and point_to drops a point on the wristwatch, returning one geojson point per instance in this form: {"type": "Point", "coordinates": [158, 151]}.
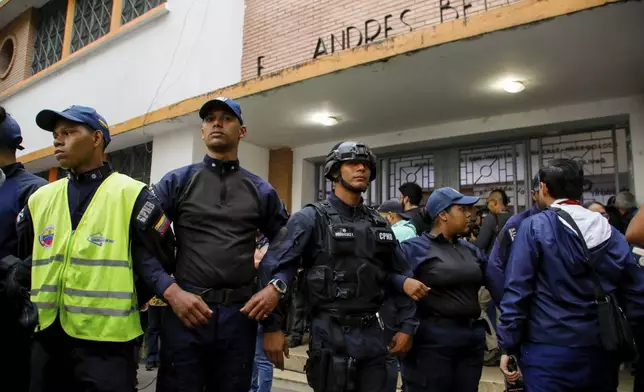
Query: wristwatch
{"type": "Point", "coordinates": [279, 285]}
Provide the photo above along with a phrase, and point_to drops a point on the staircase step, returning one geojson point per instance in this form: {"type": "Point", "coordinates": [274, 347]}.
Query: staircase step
{"type": "Point", "coordinates": [491, 378]}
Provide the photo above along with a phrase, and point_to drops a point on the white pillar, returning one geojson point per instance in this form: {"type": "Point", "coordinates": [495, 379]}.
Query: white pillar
{"type": "Point", "coordinates": [636, 120]}
{"type": "Point", "coordinates": [175, 149]}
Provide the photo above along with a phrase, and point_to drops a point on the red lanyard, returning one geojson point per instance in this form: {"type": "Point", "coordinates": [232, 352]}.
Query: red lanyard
{"type": "Point", "coordinates": [569, 202]}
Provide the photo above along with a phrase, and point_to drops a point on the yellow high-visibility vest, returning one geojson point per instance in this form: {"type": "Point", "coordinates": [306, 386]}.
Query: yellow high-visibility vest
{"type": "Point", "coordinates": [85, 275]}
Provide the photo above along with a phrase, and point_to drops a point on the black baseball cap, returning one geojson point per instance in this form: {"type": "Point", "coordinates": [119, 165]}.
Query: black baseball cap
{"type": "Point", "coordinates": [394, 205]}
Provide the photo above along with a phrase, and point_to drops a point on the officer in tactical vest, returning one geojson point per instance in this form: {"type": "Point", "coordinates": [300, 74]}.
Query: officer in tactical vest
{"type": "Point", "coordinates": [16, 186]}
{"type": "Point", "coordinates": [82, 237]}
{"type": "Point", "coordinates": [352, 263]}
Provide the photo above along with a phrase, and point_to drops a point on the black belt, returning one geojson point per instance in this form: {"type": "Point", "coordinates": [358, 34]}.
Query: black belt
{"type": "Point", "coordinates": [353, 321]}
{"type": "Point", "coordinates": [224, 296]}
{"type": "Point", "coordinates": [455, 321]}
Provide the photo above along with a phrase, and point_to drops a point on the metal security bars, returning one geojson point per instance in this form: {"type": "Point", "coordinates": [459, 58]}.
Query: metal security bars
{"type": "Point", "coordinates": [92, 20]}
{"type": "Point", "coordinates": [132, 9]}
{"type": "Point", "coordinates": [604, 155]}
{"type": "Point", "coordinates": [135, 161]}
{"type": "Point", "coordinates": [50, 32]}
{"type": "Point", "coordinates": [411, 168]}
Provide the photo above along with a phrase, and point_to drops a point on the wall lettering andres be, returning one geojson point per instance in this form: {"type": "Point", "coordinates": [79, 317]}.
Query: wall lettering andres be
{"type": "Point", "coordinates": [373, 30]}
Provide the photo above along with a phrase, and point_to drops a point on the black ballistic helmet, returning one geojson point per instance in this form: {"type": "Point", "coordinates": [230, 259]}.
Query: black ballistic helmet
{"type": "Point", "coordinates": [348, 151]}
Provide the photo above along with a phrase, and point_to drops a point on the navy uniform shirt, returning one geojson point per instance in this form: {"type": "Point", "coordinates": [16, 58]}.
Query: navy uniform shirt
{"type": "Point", "coordinates": [217, 209]}
{"type": "Point", "coordinates": [454, 270]}
{"type": "Point", "coordinates": [283, 256]}
{"type": "Point", "coordinates": [14, 193]}
{"type": "Point", "coordinates": [151, 248]}
{"type": "Point", "coordinates": [501, 253]}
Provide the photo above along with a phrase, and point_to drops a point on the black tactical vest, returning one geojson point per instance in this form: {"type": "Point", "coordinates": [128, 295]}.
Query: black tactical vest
{"type": "Point", "coordinates": [347, 274]}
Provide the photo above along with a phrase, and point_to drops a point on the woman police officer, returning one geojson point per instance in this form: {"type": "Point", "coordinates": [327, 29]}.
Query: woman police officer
{"type": "Point", "coordinates": [447, 354]}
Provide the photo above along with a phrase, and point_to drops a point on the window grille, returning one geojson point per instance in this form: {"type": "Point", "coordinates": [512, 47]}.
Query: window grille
{"type": "Point", "coordinates": [92, 20]}
{"type": "Point", "coordinates": [50, 31]}
{"type": "Point", "coordinates": [135, 161]}
{"type": "Point", "coordinates": [132, 9]}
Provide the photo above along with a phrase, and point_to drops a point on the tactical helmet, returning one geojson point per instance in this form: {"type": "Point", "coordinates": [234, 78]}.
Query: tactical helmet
{"type": "Point", "coordinates": [348, 151]}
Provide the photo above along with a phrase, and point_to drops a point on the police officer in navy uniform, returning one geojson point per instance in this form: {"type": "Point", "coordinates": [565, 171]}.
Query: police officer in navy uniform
{"type": "Point", "coordinates": [448, 349]}
{"type": "Point", "coordinates": [16, 185]}
{"type": "Point", "coordinates": [217, 208]}
{"type": "Point", "coordinates": [352, 264]}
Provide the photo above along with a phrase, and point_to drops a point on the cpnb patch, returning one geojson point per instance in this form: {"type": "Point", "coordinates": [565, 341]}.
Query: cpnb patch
{"type": "Point", "coordinates": [99, 239]}
{"type": "Point", "coordinates": [46, 237]}
{"type": "Point", "coordinates": [384, 236]}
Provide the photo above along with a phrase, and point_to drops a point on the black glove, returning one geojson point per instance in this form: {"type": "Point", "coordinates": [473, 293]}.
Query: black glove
{"type": "Point", "coordinates": [14, 293]}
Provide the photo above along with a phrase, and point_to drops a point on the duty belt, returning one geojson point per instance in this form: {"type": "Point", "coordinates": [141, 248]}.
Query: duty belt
{"type": "Point", "coordinates": [224, 296]}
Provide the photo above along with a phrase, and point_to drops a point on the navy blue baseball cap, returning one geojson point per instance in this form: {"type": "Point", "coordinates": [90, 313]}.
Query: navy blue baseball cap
{"type": "Point", "coordinates": [221, 103]}
{"type": "Point", "coordinates": [10, 135]}
{"type": "Point", "coordinates": [47, 119]}
{"type": "Point", "coordinates": [442, 198]}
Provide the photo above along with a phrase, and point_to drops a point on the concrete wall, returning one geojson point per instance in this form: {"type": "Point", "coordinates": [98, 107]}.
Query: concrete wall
{"type": "Point", "coordinates": [194, 48]}
{"type": "Point", "coordinates": [303, 169]}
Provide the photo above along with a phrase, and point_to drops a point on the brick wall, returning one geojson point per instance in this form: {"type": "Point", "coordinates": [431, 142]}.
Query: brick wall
{"type": "Point", "coordinates": [280, 173]}
{"type": "Point", "coordinates": [286, 32]}
{"type": "Point", "coordinates": [23, 29]}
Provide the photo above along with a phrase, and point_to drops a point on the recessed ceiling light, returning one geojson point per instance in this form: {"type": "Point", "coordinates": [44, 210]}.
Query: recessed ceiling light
{"type": "Point", "coordinates": [325, 120]}
{"type": "Point", "coordinates": [513, 87]}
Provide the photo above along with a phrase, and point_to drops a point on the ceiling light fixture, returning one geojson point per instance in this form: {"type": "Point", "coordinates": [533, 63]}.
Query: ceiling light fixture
{"type": "Point", "coordinates": [513, 86]}
{"type": "Point", "coordinates": [325, 120]}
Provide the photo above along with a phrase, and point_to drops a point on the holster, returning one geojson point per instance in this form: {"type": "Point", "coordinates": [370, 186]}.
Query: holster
{"type": "Point", "coordinates": [329, 372]}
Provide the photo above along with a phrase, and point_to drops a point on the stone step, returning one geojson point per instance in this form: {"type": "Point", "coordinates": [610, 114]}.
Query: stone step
{"type": "Point", "coordinates": [491, 379]}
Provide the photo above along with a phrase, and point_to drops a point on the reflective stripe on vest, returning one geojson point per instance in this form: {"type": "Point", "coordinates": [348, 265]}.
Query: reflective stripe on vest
{"type": "Point", "coordinates": [85, 276]}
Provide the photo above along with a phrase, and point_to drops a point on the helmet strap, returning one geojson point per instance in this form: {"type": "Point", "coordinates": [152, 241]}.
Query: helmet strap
{"type": "Point", "coordinates": [351, 188]}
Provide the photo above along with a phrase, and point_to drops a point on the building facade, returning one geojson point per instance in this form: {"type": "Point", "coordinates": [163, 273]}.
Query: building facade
{"type": "Point", "coordinates": [473, 94]}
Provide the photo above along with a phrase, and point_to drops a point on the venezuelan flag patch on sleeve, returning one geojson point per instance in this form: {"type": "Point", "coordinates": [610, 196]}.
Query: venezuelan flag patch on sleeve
{"type": "Point", "coordinates": [162, 225]}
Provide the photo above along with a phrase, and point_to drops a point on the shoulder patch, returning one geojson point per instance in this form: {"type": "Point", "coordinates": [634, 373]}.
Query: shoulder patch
{"type": "Point", "coordinates": [162, 225]}
{"type": "Point", "coordinates": [146, 212]}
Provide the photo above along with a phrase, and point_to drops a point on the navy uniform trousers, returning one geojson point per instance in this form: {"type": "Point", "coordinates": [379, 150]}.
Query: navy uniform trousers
{"type": "Point", "coordinates": [217, 356]}
{"type": "Point", "coordinates": [547, 368]}
{"type": "Point", "coordinates": [447, 356]}
{"type": "Point", "coordinates": [364, 345]}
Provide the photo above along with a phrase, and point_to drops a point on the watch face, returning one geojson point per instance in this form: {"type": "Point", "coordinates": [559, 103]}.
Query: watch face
{"type": "Point", "coordinates": [281, 286]}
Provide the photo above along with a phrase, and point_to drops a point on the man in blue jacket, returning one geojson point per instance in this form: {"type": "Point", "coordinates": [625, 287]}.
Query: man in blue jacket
{"type": "Point", "coordinates": [16, 186]}
{"type": "Point", "coordinates": [501, 251]}
{"type": "Point", "coordinates": [548, 310]}
{"type": "Point", "coordinates": [217, 208]}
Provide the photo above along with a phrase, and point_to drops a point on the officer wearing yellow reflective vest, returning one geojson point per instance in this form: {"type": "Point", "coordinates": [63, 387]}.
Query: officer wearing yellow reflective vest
{"type": "Point", "coordinates": [88, 238]}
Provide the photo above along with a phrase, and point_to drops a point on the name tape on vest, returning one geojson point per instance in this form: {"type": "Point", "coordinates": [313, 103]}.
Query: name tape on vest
{"type": "Point", "coordinates": [343, 232]}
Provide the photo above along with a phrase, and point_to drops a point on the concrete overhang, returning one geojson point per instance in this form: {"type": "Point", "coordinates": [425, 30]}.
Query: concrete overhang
{"type": "Point", "coordinates": [11, 9]}
{"type": "Point", "coordinates": [591, 54]}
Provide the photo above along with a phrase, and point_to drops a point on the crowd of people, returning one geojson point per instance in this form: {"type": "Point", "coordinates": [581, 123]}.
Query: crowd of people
{"type": "Point", "coordinates": [553, 295]}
